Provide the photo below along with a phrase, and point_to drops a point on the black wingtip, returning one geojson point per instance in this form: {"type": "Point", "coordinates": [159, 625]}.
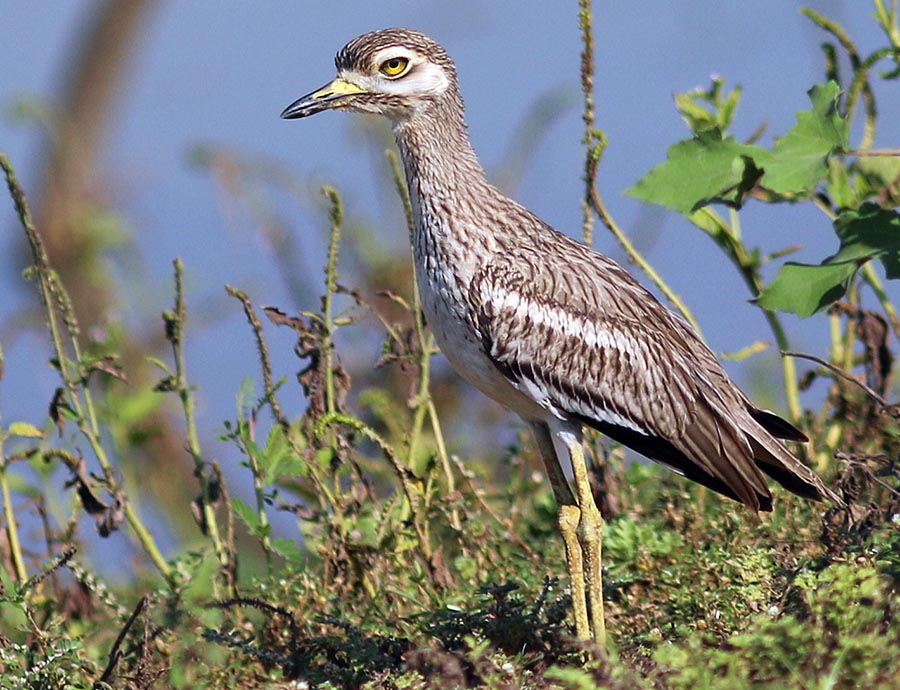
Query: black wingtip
{"type": "Point", "coordinates": [778, 426]}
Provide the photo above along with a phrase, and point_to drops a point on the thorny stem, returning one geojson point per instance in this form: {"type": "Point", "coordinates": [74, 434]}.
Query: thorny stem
{"type": "Point", "coordinates": [860, 83]}
{"type": "Point", "coordinates": [595, 141]}
{"type": "Point", "coordinates": [336, 218]}
{"type": "Point", "coordinates": [54, 297]}
{"type": "Point", "coordinates": [259, 489]}
{"type": "Point", "coordinates": [175, 328]}
{"type": "Point", "coordinates": [262, 350]}
{"type": "Point", "coordinates": [229, 520]}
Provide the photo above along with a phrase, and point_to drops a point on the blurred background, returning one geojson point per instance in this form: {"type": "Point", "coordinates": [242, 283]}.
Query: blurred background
{"type": "Point", "coordinates": [144, 130]}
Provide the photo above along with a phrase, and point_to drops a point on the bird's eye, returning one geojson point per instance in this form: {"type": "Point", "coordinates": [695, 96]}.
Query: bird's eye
{"type": "Point", "coordinates": [394, 67]}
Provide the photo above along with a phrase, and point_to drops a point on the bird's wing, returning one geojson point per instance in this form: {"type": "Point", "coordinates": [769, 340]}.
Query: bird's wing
{"type": "Point", "coordinates": [586, 341]}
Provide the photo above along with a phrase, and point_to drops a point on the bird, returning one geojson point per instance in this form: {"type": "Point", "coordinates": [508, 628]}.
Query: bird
{"type": "Point", "coordinates": [551, 328]}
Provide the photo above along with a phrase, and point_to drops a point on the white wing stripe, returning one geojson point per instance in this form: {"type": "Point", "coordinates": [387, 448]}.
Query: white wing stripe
{"type": "Point", "coordinates": [559, 383]}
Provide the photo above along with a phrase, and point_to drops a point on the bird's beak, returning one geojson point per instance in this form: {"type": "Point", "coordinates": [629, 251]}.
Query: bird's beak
{"type": "Point", "coordinates": [333, 95]}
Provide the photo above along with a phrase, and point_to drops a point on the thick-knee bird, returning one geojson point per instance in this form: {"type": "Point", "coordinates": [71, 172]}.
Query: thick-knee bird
{"type": "Point", "coordinates": [548, 327]}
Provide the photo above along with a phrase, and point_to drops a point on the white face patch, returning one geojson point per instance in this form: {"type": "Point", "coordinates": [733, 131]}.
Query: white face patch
{"type": "Point", "coordinates": [421, 78]}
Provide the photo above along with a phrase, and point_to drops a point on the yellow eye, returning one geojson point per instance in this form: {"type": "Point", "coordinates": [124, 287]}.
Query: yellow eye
{"type": "Point", "coordinates": [394, 67]}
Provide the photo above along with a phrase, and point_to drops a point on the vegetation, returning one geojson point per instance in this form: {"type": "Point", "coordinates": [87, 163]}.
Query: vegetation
{"type": "Point", "coordinates": [412, 568]}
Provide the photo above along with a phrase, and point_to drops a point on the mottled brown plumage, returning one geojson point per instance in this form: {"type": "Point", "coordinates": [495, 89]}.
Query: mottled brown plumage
{"type": "Point", "coordinates": [550, 328]}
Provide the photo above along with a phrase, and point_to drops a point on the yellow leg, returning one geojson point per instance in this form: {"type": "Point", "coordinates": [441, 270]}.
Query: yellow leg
{"type": "Point", "coordinates": [590, 537]}
{"type": "Point", "coordinates": [568, 520]}
{"type": "Point", "coordinates": [582, 530]}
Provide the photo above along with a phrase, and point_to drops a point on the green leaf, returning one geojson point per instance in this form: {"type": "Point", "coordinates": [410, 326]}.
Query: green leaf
{"type": "Point", "coordinates": [203, 574]}
{"type": "Point", "coordinates": [247, 513]}
{"type": "Point", "coordinates": [714, 168]}
{"type": "Point", "coordinates": [246, 398]}
{"type": "Point", "coordinates": [711, 108]}
{"type": "Point", "coordinates": [24, 430]}
{"type": "Point", "coordinates": [869, 233]}
{"type": "Point", "coordinates": [288, 548]}
{"type": "Point", "coordinates": [699, 171]}
{"type": "Point", "coordinates": [323, 458]}
{"type": "Point", "coordinates": [804, 289]}
{"type": "Point", "coordinates": [799, 159]}
{"type": "Point", "coordinates": [695, 115]}
{"type": "Point", "coordinates": [278, 457]}
{"type": "Point", "coordinates": [839, 186]}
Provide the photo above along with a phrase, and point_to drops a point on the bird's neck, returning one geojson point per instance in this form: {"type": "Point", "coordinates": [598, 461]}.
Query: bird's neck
{"type": "Point", "coordinates": [445, 182]}
{"type": "Point", "coordinates": [437, 155]}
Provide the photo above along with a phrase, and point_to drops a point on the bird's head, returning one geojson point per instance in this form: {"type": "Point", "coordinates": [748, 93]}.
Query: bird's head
{"type": "Point", "coordinates": [391, 72]}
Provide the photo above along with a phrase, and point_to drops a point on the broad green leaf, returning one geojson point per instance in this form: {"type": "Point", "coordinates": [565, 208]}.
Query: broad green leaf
{"type": "Point", "coordinates": [842, 192]}
{"type": "Point", "coordinates": [714, 168]}
{"type": "Point", "coordinates": [869, 233]}
{"type": "Point", "coordinates": [24, 430]}
{"type": "Point", "coordinates": [799, 159]}
{"type": "Point", "coordinates": [698, 171]}
{"type": "Point", "coordinates": [804, 289]}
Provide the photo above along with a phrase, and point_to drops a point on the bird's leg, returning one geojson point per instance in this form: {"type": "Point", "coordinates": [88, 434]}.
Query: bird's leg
{"type": "Point", "coordinates": [590, 537]}
{"type": "Point", "coordinates": [568, 519]}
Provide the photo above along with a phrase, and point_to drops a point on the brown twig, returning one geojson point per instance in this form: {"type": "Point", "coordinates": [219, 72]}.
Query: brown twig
{"type": "Point", "coordinates": [840, 373]}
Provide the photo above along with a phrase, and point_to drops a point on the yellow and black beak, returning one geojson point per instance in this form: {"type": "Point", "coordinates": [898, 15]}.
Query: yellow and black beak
{"type": "Point", "coordinates": [333, 95]}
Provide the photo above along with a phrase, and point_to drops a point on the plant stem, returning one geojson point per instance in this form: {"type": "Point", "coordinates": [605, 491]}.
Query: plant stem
{"type": "Point", "coordinates": [12, 529]}
{"type": "Point", "coordinates": [873, 281]}
{"type": "Point", "coordinates": [54, 297]}
{"type": "Point", "coordinates": [175, 329]}
{"type": "Point", "coordinates": [262, 350]}
{"type": "Point", "coordinates": [593, 140]}
{"type": "Point", "coordinates": [728, 239]}
{"type": "Point", "coordinates": [336, 218]}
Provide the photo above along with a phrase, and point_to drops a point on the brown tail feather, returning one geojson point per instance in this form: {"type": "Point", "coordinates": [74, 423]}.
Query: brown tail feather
{"type": "Point", "coordinates": [781, 465]}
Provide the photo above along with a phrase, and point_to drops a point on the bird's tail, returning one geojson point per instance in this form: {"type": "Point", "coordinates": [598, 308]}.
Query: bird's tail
{"type": "Point", "coordinates": [773, 458]}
